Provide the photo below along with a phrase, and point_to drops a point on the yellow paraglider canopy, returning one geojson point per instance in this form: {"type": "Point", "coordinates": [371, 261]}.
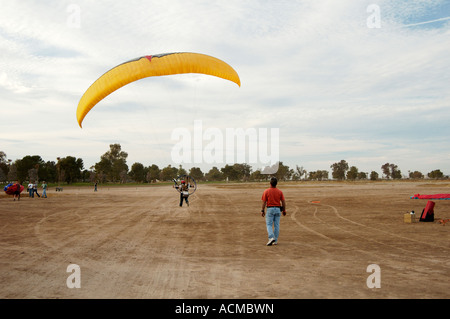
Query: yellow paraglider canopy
{"type": "Point", "coordinates": [154, 65]}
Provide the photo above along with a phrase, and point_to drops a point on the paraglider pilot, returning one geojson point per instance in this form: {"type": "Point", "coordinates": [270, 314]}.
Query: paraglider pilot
{"type": "Point", "coordinates": [17, 191]}
{"type": "Point", "coordinates": [184, 192]}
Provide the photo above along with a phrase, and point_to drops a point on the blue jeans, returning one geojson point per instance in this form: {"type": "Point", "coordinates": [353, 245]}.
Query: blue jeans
{"type": "Point", "coordinates": [273, 216]}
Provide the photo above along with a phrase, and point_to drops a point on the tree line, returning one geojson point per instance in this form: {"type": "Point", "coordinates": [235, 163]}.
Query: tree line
{"type": "Point", "coordinates": [113, 167]}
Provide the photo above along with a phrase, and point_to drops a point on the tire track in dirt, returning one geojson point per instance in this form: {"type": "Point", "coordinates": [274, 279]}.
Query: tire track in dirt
{"type": "Point", "coordinates": [101, 232]}
{"type": "Point", "coordinates": [331, 239]}
{"type": "Point", "coordinates": [317, 247]}
{"type": "Point", "coordinates": [103, 218]}
{"type": "Point", "coordinates": [419, 256]}
{"type": "Point", "coordinates": [131, 255]}
{"type": "Point", "coordinates": [379, 230]}
{"type": "Point", "coordinates": [163, 267]}
{"type": "Point", "coordinates": [177, 263]}
{"type": "Point", "coordinates": [158, 268]}
{"type": "Point", "coordinates": [355, 233]}
{"type": "Point", "coordinates": [363, 236]}
{"type": "Point", "coordinates": [216, 264]}
{"type": "Point", "coordinates": [360, 225]}
{"type": "Point", "coordinates": [308, 228]}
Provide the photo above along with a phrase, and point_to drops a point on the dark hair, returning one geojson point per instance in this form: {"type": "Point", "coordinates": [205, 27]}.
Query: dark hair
{"type": "Point", "coordinates": [273, 181]}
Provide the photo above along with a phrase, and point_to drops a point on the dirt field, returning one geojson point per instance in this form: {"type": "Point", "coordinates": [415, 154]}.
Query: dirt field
{"type": "Point", "coordinates": [135, 242]}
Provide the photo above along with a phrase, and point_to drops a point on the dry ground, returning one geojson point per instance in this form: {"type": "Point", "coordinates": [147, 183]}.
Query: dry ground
{"type": "Point", "coordinates": [135, 242]}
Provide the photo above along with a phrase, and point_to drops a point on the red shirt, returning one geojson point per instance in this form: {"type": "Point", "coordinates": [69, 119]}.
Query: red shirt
{"type": "Point", "coordinates": [273, 196]}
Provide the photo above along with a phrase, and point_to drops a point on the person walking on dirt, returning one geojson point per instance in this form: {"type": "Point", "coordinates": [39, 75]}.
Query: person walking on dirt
{"type": "Point", "coordinates": [35, 190]}
{"type": "Point", "coordinates": [274, 199]}
{"type": "Point", "coordinates": [17, 191]}
{"type": "Point", "coordinates": [44, 189]}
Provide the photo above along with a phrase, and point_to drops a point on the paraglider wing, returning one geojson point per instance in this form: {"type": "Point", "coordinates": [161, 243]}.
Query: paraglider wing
{"type": "Point", "coordinates": [7, 188]}
{"type": "Point", "coordinates": [10, 189]}
{"type": "Point", "coordinates": [434, 196]}
{"type": "Point", "coordinates": [152, 65]}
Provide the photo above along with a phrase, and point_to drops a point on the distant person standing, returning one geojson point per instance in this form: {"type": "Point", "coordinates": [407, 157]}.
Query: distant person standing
{"type": "Point", "coordinates": [273, 198]}
{"type": "Point", "coordinates": [30, 189]}
{"type": "Point", "coordinates": [95, 187]}
{"type": "Point", "coordinates": [44, 189]}
{"type": "Point", "coordinates": [35, 190]}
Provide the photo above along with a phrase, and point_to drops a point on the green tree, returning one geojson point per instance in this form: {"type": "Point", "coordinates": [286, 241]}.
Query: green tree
{"type": "Point", "coordinates": [312, 175]}
{"type": "Point", "coordinates": [4, 167]}
{"type": "Point", "coordinates": [436, 174]}
{"type": "Point", "coordinates": [352, 173]}
{"type": "Point", "coordinates": [323, 174]}
{"type": "Point", "coordinates": [196, 173]}
{"type": "Point", "coordinates": [339, 170]}
{"type": "Point", "coordinates": [258, 176]}
{"type": "Point", "coordinates": [168, 173]}
{"type": "Point", "coordinates": [386, 169]}
{"type": "Point", "coordinates": [137, 172]}
{"type": "Point", "coordinates": [3, 176]}
{"type": "Point", "coordinates": [119, 170]}
{"type": "Point", "coordinates": [300, 172]}
{"type": "Point", "coordinates": [181, 171]}
{"type": "Point", "coordinates": [373, 176]}
{"type": "Point", "coordinates": [283, 173]}
{"type": "Point", "coordinates": [362, 175]}
{"type": "Point", "coordinates": [48, 172]}
{"type": "Point", "coordinates": [2, 157]}
{"type": "Point", "coordinates": [26, 164]}
{"type": "Point", "coordinates": [86, 175]}
{"type": "Point", "coordinates": [395, 172]}
{"type": "Point", "coordinates": [153, 173]}
{"type": "Point", "coordinates": [33, 173]}
{"type": "Point", "coordinates": [416, 175]}
{"type": "Point", "coordinates": [236, 171]}
{"type": "Point", "coordinates": [12, 173]}
{"type": "Point", "coordinates": [318, 175]}
{"type": "Point", "coordinates": [214, 174]}
{"type": "Point", "coordinates": [229, 172]}
{"type": "Point", "coordinates": [244, 170]}
{"type": "Point", "coordinates": [113, 163]}
{"type": "Point", "coordinates": [103, 169]}
{"type": "Point", "coordinates": [72, 168]}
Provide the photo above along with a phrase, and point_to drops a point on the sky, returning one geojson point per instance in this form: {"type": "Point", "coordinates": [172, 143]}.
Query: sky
{"type": "Point", "coordinates": [355, 80]}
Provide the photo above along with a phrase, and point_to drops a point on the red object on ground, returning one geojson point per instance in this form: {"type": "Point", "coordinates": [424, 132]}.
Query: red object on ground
{"type": "Point", "coordinates": [428, 212]}
{"type": "Point", "coordinates": [434, 196]}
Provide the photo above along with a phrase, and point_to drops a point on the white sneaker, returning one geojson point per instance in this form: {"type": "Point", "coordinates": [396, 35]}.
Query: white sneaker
{"type": "Point", "coordinates": [275, 243]}
{"type": "Point", "coordinates": [270, 242]}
